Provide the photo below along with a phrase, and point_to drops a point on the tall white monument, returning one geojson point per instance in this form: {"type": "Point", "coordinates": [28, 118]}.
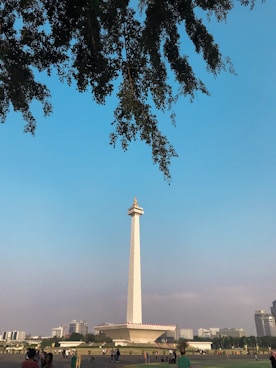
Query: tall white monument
{"type": "Point", "coordinates": [134, 296]}
{"type": "Point", "coordinates": [133, 330]}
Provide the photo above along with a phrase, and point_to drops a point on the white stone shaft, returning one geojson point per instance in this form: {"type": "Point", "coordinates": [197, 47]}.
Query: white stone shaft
{"type": "Point", "coordinates": [134, 301]}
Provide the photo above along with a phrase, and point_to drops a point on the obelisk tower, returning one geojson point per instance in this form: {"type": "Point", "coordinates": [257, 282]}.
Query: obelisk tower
{"type": "Point", "coordinates": [134, 297]}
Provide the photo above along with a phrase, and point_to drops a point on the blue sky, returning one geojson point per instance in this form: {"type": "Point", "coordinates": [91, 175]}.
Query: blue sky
{"type": "Point", "coordinates": [207, 240]}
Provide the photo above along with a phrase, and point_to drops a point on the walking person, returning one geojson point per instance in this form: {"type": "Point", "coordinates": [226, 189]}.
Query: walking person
{"type": "Point", "coordinates": [183, 361]}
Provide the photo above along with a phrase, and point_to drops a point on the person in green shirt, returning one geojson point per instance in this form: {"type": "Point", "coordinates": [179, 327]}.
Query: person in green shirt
{"type": "Point", "coordinates": [73, 361]}
{"type": "Point", "coordinates": [183, 361]}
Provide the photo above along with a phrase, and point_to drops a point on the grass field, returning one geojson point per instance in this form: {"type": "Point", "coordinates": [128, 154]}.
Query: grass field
{"type": "Point", "coordinates": [232, 364]}
{"type": "Point", "coordinates": [235, 363]}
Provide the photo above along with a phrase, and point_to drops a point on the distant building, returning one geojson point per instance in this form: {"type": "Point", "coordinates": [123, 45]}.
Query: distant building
{"type": "Point", "coordinates": [6, 336]}
{"type": "Point", "coordinates": [58, 332]}
{"type": "Point", "coordinates": [213, 331]}
{"type": "Point", "coordinates": [13, 336]}
{"type": "Point", "coordinates": [80, 327]}
{"type": "Point", "coordinates": [273, 309]}
{"type": "Point", "coordinates": [169, 336]}
{"type": "Point", "coordinates": [186, 333]}
{"type": "Point", "coordinates": [18, 335]}
{"type": "Point", "coordinates": [200, 345]}
{"type": "Point", "coordinates": [207, 332]}
{"type": "Point", "coordinates": [203, 332]}
{"type": "Point", "coordinates": [70, 344]}
{"type": "Point", "coordinates": [265, 323]}
{"type": "Point", "coordinates": [231, 332]}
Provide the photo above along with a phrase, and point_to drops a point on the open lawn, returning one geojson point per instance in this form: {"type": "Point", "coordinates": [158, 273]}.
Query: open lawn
{"type": "Point", "coordinates": [232, 364]}
{"type": "Point", "coordinates": [137, 361]}
{"type": "Point", "coordinates": [212, 363]}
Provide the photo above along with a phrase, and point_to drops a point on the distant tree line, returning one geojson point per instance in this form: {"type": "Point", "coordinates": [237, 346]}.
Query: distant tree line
{"type": "Point", "coordinates": [245, 342]}
{"type": "Point", "coordinates": [89, 338]}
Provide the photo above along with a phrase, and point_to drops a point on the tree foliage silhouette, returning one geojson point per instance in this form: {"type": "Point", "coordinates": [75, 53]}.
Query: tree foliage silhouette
{"type": "Point", "coordinates": [103, 43]}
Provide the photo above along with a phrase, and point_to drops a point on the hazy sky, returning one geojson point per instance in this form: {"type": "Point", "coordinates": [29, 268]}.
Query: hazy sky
{"type": "Point", "coordinates": [207, 240]}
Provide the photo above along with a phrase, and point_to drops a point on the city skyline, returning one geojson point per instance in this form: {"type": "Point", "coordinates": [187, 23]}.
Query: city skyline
{"type": "Point", "coordinates": [61, 332]}
{"type": "Point", "coordinates": [265, 326]}
{"type": "Point", "coordinates": [207, 239]}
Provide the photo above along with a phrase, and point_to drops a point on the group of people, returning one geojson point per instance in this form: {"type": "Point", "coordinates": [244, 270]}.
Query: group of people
{"type": "Point", "coordinates": [115, 354]}
{"type": "Point", "coordinates": [37, 360]}
{"type": "Point", "coordinates": [46, 359]}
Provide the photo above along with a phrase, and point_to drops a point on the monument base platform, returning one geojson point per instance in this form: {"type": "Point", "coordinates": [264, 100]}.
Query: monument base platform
{"type": "Point", "coordinates": [134, 332]}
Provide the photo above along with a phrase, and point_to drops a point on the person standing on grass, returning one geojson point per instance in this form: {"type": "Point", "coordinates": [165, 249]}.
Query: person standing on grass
{"type": "Point", "coordinates": [73, 363]}
{"type": "Point", "coordinates": [48, 361]}
{"type": "Point", "coordinates": [183, 361]}
{"type": "Point", "coordinates": [273, 358]}
{"type": "Point", "coordinates": [30, 361]}
{"type": "Point", "coordinates": [117, 355]}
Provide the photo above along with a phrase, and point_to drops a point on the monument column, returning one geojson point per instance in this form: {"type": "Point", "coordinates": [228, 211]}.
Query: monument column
{"type": "Point", "coordinates": [134, 297]}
